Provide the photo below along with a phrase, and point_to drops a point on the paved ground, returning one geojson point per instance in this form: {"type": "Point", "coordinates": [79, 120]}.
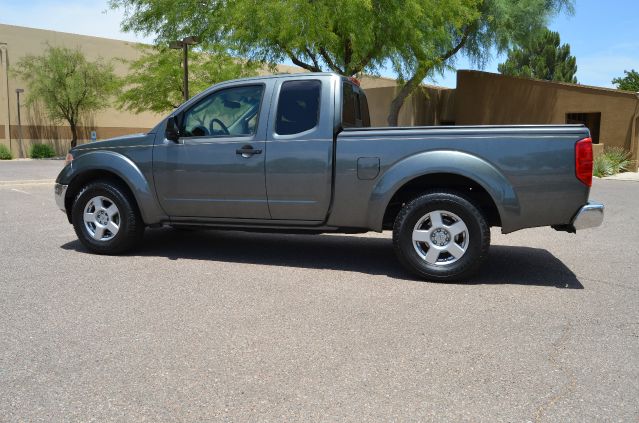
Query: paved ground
{"type": "Point", "coordinates": [625, 176]}
{"type": "Point", "coordinates": [255, 327]}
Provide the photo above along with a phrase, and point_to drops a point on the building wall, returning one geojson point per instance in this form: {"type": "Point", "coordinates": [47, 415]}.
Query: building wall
{"type": "Point", "coordinates": [17, 42]}
{"type": "Point", "coordinates": [480, 98]}
{"type": "Point", "coordinates": [492, 99]}
{"type": "Point", "coordinates": [428, 106]}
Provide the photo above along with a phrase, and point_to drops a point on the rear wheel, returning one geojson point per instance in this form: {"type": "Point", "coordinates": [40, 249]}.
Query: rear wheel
{"type": "Point", "coordinates": [105, 219]}
{"type": "Point", "coordinates": [441, 236]}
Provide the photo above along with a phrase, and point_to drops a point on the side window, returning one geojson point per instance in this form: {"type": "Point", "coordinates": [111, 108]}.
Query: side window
{"type": "Point", "coordinates": [298, 107]}
{"type": "Point", "coordinates": [228, 112]}
{"type": "Point", "coordinates": [354, 107]}
{"type": "Point", "coordinates": [349, 114]}
{"type": "Point", "coordinates": [366, 116]}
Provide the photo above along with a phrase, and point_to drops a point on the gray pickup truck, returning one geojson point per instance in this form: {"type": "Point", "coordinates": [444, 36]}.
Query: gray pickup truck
{"type": "Point", "coordinates": [296, 153]}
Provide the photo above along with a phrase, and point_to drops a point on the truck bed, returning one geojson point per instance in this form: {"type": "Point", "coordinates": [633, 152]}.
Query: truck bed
{"type": "Point", "coordinates": [529, 170]}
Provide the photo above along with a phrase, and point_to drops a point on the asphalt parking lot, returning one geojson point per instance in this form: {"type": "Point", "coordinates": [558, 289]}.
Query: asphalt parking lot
{"type": "Point", "coordinates": [224, 326]}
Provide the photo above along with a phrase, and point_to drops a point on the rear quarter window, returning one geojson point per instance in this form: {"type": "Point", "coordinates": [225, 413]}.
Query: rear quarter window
{"type": "Point", "coordinates": [354, 107]}
{"type": "Point", "coordinates": [298, 107]}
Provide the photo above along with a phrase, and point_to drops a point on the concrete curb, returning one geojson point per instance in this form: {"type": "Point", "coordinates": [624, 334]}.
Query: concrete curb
{"type": "Point", "coordinates": [625, 176]}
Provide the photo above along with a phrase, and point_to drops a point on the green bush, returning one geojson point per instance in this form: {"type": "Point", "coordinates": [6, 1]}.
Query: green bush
{"type": "Point", "coordinates": [619, 159]}
{"type": "Point", "coordinates": [5, 154]}
{"type": "Point", "coordinates": [41, 151]}
{"type": "Point", "coordinates": [602, 166]}
{"type": "Point", "coordinates": [612, 161]}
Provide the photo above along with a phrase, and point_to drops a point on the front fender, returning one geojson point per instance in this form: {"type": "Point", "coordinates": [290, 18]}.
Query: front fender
{"type": "Point", "coordinates": [447, 161]}
{"type": "Point", "coordinates": [124, 168]}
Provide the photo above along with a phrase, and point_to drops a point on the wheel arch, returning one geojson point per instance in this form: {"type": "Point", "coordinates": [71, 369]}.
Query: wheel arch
{"type": "Point", "coordinates": [462, 172]}
{"type": "Point", "coordinates": [116, 167]}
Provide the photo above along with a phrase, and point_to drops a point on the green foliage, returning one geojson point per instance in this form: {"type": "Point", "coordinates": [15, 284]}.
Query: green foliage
{"type": "Point", "coordinates": [67, 84]}
{"type": "Point", "coordinates": [543, 57]}
{"type": "Point", "coordinates": [619, 158]}
{"type": "Point", "coordinates": [614, 160]}
{"type": "Point", "coordinates": [5, 154]}
{"type": "Point", "coordinates": [630, 82]}
{"type": "Point", "coordinates": [41, 151]}
{"type": "Point", "coordinates": [417, 37]}
{"type": "Point", "coordinates": [155, 80]}
{"type": "Point", "coordinates": [602, 167]}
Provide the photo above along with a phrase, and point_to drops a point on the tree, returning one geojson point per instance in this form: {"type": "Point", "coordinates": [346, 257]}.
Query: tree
{"type": "Point", "coordinates": [417, 37]}
{"type": "Point", "coordinates": [155, 80]}
{"type": "Point", "coordinates": [630, 82]}
{"type": "Point", "coordinates": [543, 57]}
{"type": "Point", "coordinates": [67, 84]}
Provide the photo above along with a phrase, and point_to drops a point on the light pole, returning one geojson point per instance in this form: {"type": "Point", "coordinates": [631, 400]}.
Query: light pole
{"type": "Point", "coordinates": [184, 44]}
{"type": "Point", "coordinates": [18, 91]}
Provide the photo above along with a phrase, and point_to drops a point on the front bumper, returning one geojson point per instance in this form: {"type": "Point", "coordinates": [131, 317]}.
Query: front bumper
{"type": "Point", "coordinates": [589, 216]}
{"type": "Point", "coordinates": [60, 193]}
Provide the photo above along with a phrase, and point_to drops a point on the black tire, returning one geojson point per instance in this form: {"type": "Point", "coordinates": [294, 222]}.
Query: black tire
{"type": "Point", "coordinates": [131, 226]}
{"type": "Point", "coordinates": [475, 240]}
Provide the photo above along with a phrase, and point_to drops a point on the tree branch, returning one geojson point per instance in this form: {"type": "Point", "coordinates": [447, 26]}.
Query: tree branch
{"type": "Point", "coordinates": [419, 75]}
{"type": "Point", "coordinates": [296, 61]}
{"type": "Point", "coordinates": [348, 53]}
{"type": "Point", "coordinates": [329, 61]}
{"type": "Point", "coordinates": [313, 57]}
{"type": "Point", "coordinates": [453, 51]}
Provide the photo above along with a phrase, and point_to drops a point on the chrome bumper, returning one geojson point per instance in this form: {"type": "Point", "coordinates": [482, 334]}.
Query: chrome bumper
{"type": "Point", "coordinates": [60, 192]}
{"type": "Point", "coordinates": [589, 216]}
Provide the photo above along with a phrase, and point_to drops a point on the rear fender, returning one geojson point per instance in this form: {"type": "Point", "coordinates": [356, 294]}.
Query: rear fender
{"type": "Point", "coordinates": [453, 162]}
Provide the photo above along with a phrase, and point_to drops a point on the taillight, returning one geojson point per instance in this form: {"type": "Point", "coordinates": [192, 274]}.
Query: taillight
{"type": "Point", "coordinates": [583, 161]}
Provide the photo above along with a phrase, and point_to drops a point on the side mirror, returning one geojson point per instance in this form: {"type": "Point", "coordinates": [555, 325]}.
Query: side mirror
{"type": "Point", "coordinates": [172, 131]}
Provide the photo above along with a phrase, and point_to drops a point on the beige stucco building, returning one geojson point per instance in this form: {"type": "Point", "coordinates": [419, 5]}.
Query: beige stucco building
{"type": "Point", "coordinates": [483, 98]}
{"type": "Point", "coordinates": [480, 98]}
{"type": "Point", "coordinates": [17, 42]}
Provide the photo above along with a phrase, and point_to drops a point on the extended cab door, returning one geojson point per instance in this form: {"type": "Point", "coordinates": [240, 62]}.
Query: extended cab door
{"type": "Point", "coordinates": [216, 168]}
{"type": "Point", "coordinates": [299, 146]}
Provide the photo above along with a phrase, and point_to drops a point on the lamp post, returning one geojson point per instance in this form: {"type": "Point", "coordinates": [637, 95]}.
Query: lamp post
{"type": "Point", "coordinates": [18, 91]}
{"type": "Point", "coordinates": [184, 44]}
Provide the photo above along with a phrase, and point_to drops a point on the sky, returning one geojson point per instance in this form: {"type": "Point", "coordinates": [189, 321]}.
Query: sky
{"type": "Point", "coordinates": [603, 35]}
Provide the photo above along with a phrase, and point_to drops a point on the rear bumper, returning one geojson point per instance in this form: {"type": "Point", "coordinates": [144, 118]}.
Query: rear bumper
{"type": "Point", "coordinates": [60, 192]}
{"type": "Point", "coordinates": [589, 216]}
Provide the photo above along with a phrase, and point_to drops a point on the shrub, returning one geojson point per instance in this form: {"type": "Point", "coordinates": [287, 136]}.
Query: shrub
{"type": "Point", "coordinates": [5, 154]}
{"type": "Point", "coordinates": [41, 151]}
{"type": "Point", "coordinates": [602, 166]}
{"type": "Point", "coordinates": [619, 159]}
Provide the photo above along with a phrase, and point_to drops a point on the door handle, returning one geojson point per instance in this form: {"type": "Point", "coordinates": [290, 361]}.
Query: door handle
{"type": "Point", "coordinates": [247, 151]}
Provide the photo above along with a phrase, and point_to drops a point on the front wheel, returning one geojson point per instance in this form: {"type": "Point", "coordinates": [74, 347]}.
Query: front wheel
{"type": "Point", "coordinates": [105, 218]}
{"type": "Point", "coordinates": [441, 236]}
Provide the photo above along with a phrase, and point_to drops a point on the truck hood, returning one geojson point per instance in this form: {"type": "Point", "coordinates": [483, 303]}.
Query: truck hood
{"type": "Point", "coordinates": [123, 141]}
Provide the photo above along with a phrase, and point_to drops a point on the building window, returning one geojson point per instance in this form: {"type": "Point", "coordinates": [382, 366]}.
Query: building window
{"type": "Point", "coordinates": [591, 120]}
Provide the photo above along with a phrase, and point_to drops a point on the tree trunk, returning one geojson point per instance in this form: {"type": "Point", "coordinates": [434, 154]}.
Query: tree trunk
{"type": "Point", "coordinates": [74, 134]}
{"type": "Point", "coordinates": [421, 72]}
{"type": "Point", "coordinates": [406, 90]}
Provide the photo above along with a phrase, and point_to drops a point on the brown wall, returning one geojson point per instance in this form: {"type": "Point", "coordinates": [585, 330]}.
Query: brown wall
{"type": "Point", "coordinates": [429, 106]}
{"type": "Point", "coordinates": [492, 99]}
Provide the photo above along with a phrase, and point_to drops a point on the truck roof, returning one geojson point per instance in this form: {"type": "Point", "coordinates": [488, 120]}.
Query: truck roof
{"type": "Point", "coordinates": [288, 76]}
